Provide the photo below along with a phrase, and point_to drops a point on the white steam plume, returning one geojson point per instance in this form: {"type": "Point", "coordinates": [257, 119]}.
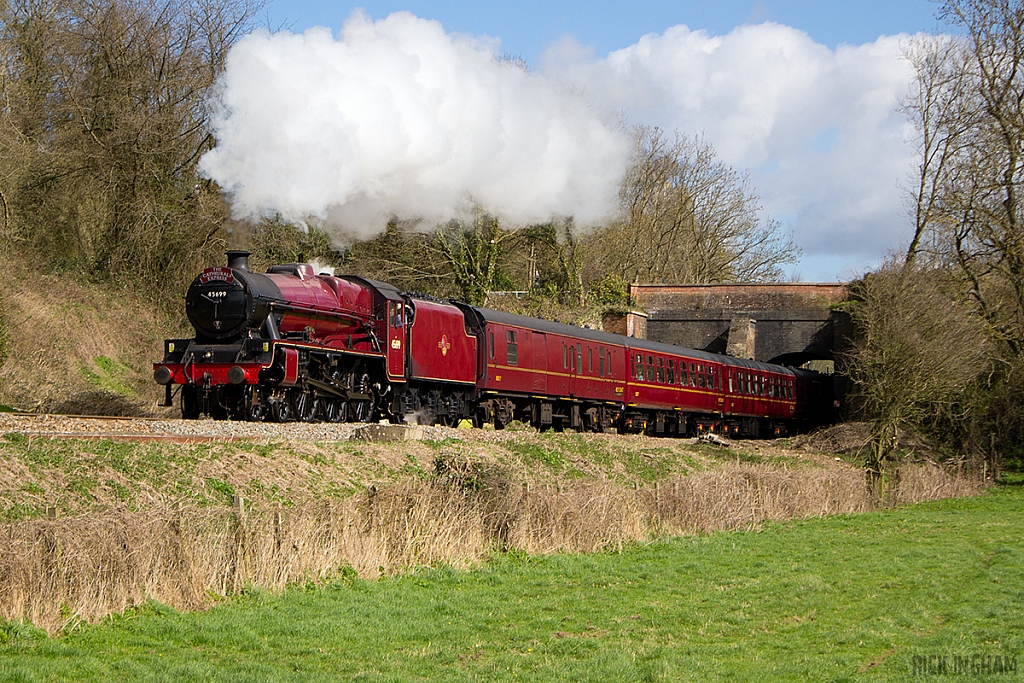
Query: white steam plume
{"type": "Point", "coordinates": [398, 118]}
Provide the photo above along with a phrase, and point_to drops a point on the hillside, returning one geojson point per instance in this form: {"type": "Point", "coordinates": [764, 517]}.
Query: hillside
{"type": "Point", "coordinates": [78, 349]}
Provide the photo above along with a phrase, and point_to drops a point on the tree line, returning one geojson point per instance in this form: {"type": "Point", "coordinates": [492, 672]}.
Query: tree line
{"type": "Point", "coordinates": [103, 118]}
{"type": "Point", "coordinates": [941, 347]}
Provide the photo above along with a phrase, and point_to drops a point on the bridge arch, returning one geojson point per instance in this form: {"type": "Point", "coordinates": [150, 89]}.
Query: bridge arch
{"type": "Point", "coordinates": [792, 322]}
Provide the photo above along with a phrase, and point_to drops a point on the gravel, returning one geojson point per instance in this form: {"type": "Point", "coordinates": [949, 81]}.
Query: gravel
{"type": "Point", "coordinates": [143, 428]}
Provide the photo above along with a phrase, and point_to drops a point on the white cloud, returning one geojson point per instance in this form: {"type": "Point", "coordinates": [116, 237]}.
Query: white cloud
{"type": "Point", "coordinates": [395, 117]}
{"type": "Point", "coordinates": [817, 129]}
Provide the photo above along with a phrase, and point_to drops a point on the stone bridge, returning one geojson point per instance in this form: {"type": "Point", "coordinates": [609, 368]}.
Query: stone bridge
{"type": "Point", "coordinates": [788, 323]}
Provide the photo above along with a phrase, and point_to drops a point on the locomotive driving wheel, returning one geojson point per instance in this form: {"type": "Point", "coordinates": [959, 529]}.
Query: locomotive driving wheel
{"type": "Point", "coordinates": [306, 406]}
{"type": "Point", "coordinates": [333, 410]}
{"type": "Point", "coordinates": [360, 410]}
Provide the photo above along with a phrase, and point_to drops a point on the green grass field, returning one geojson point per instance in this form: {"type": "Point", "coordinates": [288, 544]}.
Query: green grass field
{"type": "Point", "coordinates": [866, 597]}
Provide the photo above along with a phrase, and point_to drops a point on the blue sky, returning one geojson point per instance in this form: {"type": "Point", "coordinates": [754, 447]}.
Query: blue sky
{"type": "Point", "coordinates": [527, 27]}
{"type": "Point", "coordinates": [368, 118]}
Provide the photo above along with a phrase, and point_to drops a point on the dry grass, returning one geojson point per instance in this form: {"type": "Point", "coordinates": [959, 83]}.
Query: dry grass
{"type": "Point", "coordinates": [931, 482]}
{"type": "Point", "coordinates": [76, 348]}
{"type": "Point", "coordinates": [55, 572]}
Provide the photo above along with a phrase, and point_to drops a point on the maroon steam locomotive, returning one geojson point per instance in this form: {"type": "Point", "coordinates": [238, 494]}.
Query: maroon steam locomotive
{"type": "Point", "coordinates": [293, 345]}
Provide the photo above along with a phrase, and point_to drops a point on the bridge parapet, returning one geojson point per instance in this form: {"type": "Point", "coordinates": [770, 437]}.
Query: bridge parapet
{"type": "Point", "coordinates": [793, 322]}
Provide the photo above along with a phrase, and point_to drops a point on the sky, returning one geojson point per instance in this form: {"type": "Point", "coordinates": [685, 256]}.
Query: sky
{"type": "Point", "coordinates": [380, 113]}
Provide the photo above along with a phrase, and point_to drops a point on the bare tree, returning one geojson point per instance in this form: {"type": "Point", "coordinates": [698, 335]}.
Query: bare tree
{"type": "Point", "coordinates": [687, 217]}
{"type": "Point", "coordinates": [936, 107]}
{"type": "Point", "coordinates": [968, 106]}
{"type": "Point", "coordinates": [918, 352]}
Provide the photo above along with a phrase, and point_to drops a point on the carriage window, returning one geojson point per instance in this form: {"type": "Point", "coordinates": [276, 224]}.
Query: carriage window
{"type": "Point", "coordinates": [661, 370]}
{"type": "Point", "coordinates": [491, 342]}
{"type": "Point", "coordinates": [512, 348]}
{"type": "Point", "coordinates": [590, 359]}
{"type": "Point", "coordinates": [638, 368]}
{"type": "Point", "coordinates": [650, 368]}
{"type": "Point", "coordinates": [600, 360]}
{"type": "Point", "coordinates": [671, 372]}
{"type": "Point", "coordinates": [579, 358]}
{"type": "Point", "coordinates": [565, 356]}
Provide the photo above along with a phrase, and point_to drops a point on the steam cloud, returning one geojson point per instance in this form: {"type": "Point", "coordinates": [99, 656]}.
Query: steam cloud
{"type": "Point", "coordinates": [398, 118]}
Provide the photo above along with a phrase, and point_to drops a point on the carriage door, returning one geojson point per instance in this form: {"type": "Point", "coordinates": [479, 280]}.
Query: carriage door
{"type": "Point", "coordinates": [396, 339]}
{"type": "Point", "coordinates": [540, 362]}
{"type": "Point", "coordinates": [730, 395]}
{"type": "Point", "coordinates": [578, 379]}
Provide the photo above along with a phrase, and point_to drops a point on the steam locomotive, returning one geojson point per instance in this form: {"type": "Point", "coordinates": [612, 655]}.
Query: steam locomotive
{"type": "Point", "coordinates": [294, 345]}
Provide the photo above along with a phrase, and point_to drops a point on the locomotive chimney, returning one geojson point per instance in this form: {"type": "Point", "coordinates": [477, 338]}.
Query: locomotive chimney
{"type": "Point", "coordinates": [238, 259]}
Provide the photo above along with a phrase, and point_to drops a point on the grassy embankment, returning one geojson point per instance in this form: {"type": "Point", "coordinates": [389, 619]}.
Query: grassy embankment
{"type": "Point", "coordinates": [864, 597]}
{"type": "Point", "coordinates": [94, 528]}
